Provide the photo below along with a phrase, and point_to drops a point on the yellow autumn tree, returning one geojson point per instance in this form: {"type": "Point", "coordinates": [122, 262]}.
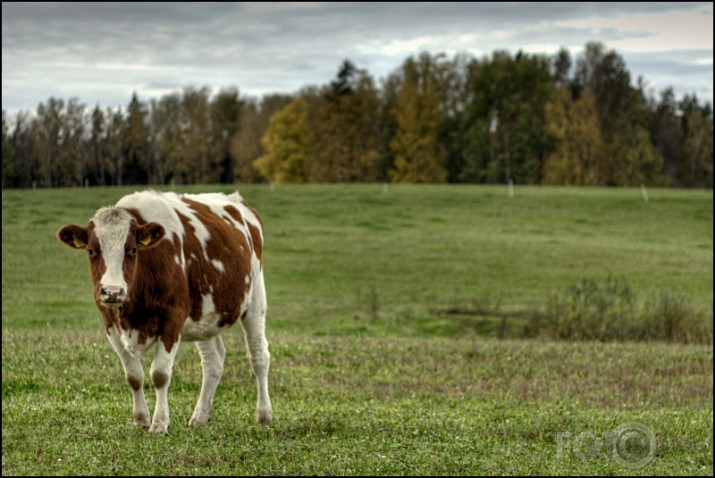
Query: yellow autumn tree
{"type": "Point", "coordinates": [289, 145]}
{"type": "Point", "coordinates": [347, 126]}
{"type": "Point", "coordinates": [419, 156]}
{"type": "Point", "coordinates": [579, 145]}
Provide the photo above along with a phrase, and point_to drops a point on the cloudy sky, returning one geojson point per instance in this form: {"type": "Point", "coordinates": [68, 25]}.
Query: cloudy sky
{"type": "Point", "coordinates": [102, 52]}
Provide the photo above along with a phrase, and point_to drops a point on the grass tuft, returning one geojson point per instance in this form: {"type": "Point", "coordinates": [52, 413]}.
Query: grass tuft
{"type": "Point", "coordinates": [612, 312]}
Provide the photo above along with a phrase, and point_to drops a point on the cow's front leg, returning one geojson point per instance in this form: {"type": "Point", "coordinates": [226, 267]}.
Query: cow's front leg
{"type": "Point", "coordinates": [134, 373]}
{"type": "Point", "coordinates": [161, 368]}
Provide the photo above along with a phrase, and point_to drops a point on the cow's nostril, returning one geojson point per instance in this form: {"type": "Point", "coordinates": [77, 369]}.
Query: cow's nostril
{"type": "Point", "coordinates": [112, 294]}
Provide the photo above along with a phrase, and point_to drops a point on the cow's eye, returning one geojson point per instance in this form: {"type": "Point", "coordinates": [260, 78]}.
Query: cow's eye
{"type": "Point", "coordinates": [90, 252]}
{"type": "Point", "coordinates": [133, 251]}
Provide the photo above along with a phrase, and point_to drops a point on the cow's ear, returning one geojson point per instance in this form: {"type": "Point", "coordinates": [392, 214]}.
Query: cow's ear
{"type": "Point", "coordinates": [73, 236]}
{"type": "Point", "coordinates": [149, 235]}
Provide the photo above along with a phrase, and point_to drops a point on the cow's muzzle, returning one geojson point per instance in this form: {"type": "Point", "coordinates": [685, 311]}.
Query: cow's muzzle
{"type": "Point", "coordinates": [112, 296]}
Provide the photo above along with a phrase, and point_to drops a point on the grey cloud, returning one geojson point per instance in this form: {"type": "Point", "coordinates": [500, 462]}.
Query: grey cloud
{"type": "Point", "coordinates": [263, 46]}
{"type": "Point", "coordinates": [669, 71]}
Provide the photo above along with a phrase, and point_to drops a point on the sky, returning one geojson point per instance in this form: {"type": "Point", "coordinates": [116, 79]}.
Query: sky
{"type": "Point", "coordinates": [101, 53]}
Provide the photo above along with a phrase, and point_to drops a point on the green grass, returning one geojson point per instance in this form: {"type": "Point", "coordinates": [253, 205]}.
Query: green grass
{"type": "Point", "coordinates": [377, 369]}
{"type": "Point", "coordinates": [353, 260]}
{"type": "Point", "coordinates": [362, 406]}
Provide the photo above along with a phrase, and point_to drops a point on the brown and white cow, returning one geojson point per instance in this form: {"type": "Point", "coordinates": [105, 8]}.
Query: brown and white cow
{"type": "Point", "coordinates": [167, 268]}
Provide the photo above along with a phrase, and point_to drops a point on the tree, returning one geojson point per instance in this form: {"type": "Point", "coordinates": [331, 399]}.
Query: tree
{"type": "Point", "coordinates": [46, 144]}
{"type": "Point", "coordinates": [578, 142]}
{"type": "Point", "coordinates": [225, 114]}
{"type": "Point", "coordinates": [246, 145]}
{"type": "Point", "coordinates": [166, 121]}
{"type": "Point", "coordinates": [629, 157]}
{"type": "Point", "coordinates": [419, 156]}
{"type": "Point", "coordinates": [634, 160]}
{"type": "Point", "coordinates": [195, 152]}
{"type": "Point", "coordinates": [114, 144]}
{"type": "Point", "coordinates": [95, 168]}
{"type": "Point", "coordinates": [503, 129]}
{"type": "Point", "coordinates": [345, 121]}
{"type": "Point", "coordinates": [521, 117]}
{"type": "Point", "coordinates": [28, 160]}
{"type": "Point", "coordinates": [561, 65]}
{"type": "Point", "coordinates": [9, 171]}
{"type": "Point", "coordinates": [72, 154]}
{"type": "Point", "coordinates": [289, 144]}
{"type": "Point", "coordinates": [666, 134]}
{"type": "Point", "coordinates": [137, 167]}
{"type": "Point", "coordinates": [606, 75]}
{"type": "Point", "coordinates": [343, 84]}
{"type": "Point", "coordinates": [696, 169]}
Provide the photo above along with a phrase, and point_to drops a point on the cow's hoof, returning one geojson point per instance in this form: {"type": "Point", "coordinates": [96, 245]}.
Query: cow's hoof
{"type": "Point", "coordinates": [141, 420]}
{"type": "Point", "coordinates": [264, 417]}
{"type": "Point", "coordinates": [143, 424]}
{"type": "Point", "coordinates": [159, 428]}
{"type": "Point", "coordinates": [198, 419]}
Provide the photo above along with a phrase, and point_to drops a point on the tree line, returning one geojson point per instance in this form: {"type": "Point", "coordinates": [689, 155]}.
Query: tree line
{"type": "Point", "coordinates": [531, 119]}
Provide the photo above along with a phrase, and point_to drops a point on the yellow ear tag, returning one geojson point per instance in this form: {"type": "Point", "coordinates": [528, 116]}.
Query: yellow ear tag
{"type": "Point", "coordinates": [78, 244]}
{"type": "Point", "coordinates": [146, 240]}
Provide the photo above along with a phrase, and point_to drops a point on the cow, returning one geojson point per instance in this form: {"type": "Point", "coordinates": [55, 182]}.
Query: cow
{"type": "Point", "coordinates": [168, 268]}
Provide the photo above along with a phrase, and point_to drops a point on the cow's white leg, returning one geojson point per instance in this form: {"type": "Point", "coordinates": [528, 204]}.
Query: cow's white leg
{"type": "Point", "coordinates": [213, 354]}
{"type": "Point", "coordinates": [254, 328]}
{"type": "Point", "coordinates": [134, 373]}
{"type": "Point", "coordinates": [161, 368]}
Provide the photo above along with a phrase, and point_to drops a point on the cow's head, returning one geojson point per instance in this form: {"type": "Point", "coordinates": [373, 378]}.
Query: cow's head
{"type": "Point", "coordinates": [113, 238]}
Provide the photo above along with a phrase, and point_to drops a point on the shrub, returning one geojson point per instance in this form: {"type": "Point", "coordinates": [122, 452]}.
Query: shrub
{"type": "Point", "coordinates": [611, 312]}
{"type": "Point", "coordinates": [674, 318]}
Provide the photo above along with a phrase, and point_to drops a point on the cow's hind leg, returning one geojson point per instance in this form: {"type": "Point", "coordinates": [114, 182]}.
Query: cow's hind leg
{"type": "Point", "coordinates": [213, 354]}
{"type": "Point", "coordinates": [254, 328]}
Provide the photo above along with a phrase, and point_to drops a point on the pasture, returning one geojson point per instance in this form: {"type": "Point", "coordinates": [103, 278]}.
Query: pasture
{"type": "Point", "coordinates": [396, 319]}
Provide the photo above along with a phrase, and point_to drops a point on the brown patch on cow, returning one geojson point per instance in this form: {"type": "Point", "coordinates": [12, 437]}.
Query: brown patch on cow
{"type": "Point", "coordinates": [135, 383]}
{"type": "Point", "coordinates": [255, 213]}
{"type": "Point", "coordinates": [229, 246]}
{"type": "Point", "coordinates": [193, 254]}
{"type": "Point", "coordinates": [161, 291]}
{"type": "Point", "coordinates": [257, 242]}
{"type": "Point", "coordinates": [234, 213]}
{"type": "Point", "coordinates": [112, 317]}
{"type": "Point", "coordinates": [171, 332]}
{"type": "Point", "coordinates": [255, 233]}
{"type": "Point", "coordinates": [159, 378]}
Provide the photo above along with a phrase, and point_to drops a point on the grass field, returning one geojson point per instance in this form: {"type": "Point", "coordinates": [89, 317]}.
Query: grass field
{"type": "Point", "coordinates": [383, 330]}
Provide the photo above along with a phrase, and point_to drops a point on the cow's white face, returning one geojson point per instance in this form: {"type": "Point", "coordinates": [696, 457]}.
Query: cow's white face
{"type": "Point", "coordinates": [113, 247]}
{"type": "Point", "coordinates": [112, 240]}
